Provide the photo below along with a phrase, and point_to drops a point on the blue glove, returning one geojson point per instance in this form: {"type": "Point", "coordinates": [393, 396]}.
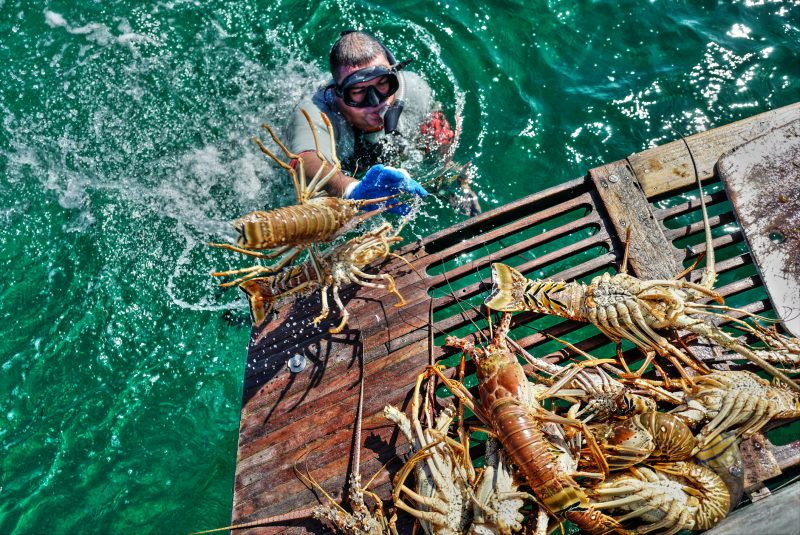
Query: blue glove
{"type": "Point", "coordinates": [382, 181]}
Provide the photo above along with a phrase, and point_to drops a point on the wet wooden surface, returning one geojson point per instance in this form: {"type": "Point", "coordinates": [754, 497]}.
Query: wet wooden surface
{"type": "Point", "coordinates": [668, 167]}
{"type": "Point", "coordinates": [651, 255]}
{"type": "Point", "coordinates": [765, 193]}
{"type": "Point", "coordinates": [778, 514]}
{"type": "Point", "coordinates": [305, 421]}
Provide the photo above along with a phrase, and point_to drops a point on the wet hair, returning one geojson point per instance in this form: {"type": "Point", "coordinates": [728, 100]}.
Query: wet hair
{"type": "Point", "coordinates": [353, 49]}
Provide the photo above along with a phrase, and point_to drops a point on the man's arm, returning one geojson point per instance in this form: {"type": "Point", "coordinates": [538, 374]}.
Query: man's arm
{"type": "Point", "coordinates": [380, 181]}
{"type": "Point", "coordinates": [337, 185]}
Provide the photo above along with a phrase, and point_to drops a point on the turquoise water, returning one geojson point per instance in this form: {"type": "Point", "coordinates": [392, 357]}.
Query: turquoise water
{"type": "Point", "coordinates": [125, 147]}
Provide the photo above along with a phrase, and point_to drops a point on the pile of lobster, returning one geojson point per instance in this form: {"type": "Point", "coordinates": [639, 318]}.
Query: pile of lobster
{"type": "Point", "coordinates": [317, 220]}
{"type": "Point", "coordinates": [587, 443]}
{"type": "Point", "coordinates": [594, 443]}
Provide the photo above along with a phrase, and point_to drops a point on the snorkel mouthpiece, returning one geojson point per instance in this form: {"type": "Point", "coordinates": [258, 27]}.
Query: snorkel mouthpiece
{"type": "Point", "coordinates": [392, 116]}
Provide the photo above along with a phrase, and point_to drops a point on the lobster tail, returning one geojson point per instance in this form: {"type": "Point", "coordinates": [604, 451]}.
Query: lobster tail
{"type": "Point", "coordinates": [673, 439]}
{"type": "Point", "coordinates": [512, 292]}
{"type": "Point", "coordinates": [508, 289]}
{"type": "Point", "coordinates": [593, 521]}
{"type": "Point", "coordinates": [723, 457]}
{"type": "Point", "coordinates": [261, 296]}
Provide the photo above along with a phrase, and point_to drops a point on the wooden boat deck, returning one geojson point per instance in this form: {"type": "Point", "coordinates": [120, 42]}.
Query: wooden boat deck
{"type": "Point", "coordinates": [305, 421]}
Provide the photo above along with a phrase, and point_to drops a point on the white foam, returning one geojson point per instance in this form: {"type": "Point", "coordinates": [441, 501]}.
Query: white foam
{"type": "Point", "coordinates": [97, 32]}
{"type": "Point", "coordinates": [183, 298]}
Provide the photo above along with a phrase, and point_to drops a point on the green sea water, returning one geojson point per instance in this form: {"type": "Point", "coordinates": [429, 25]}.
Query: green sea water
{"type": "Point", "coordinates": [125, 147]}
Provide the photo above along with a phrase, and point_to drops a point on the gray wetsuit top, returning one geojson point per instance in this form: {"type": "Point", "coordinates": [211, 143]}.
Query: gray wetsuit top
{"type": "Point", "coordinates": [415, 93]}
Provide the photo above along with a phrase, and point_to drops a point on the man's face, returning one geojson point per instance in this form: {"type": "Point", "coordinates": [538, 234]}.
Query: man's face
{"type": "Point", "coordinates": [369, 119]}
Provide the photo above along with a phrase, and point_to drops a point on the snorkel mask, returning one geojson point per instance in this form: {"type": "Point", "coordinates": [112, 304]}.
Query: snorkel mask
{"type": "Point", "coordinates": [371, 95]}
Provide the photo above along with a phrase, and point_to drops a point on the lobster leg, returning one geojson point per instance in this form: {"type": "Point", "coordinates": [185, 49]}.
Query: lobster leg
{"type": "Point", "coordinates": [261, 305]}
{"type": "Point", "coordinates": [595, 450]}
{"type": "Point", "coordinates": [248, 252]}
{"type": "Point", "coordinates": [342, 309]}
{"type": "Point", "coordinates": [762, 414]}
{"type": "Point", "coordinates": [392, 288]}
{"type": "Point", "coordinates": [714, 333]}
{"type": "Point", "coordinates": [463, 395]}
{"type": "Point", "coordinates": [254, 271]}
{"type": "Point", "coordinates": [541, 521]}
{"type": "Point", "coordinates": [280, 162]}
{"type": "Point", "coordinates": [319, 181]}
{"type": "Point", "coordinates": [325, 309]}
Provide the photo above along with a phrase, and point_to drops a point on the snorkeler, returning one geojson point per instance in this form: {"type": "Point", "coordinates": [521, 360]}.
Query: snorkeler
{"type": "Point", "coordinates": [372, 104]}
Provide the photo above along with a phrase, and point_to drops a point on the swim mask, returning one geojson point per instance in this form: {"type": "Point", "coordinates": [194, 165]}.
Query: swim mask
{"type": "Point", "coordinates": [371, 95]}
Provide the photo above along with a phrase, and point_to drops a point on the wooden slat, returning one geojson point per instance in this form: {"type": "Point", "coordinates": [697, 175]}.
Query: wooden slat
{"type": "Point", "coordinates": [651, 255]}
{"type": "Point", "coordinates": [697, 228]}
{"type": "Point", "coordinates": [760, 464]}
{"type": "Point", "coordinates": [518, 248]}
{"type": "Point", "coordinates": [762, 178]}
{"type": "Point", "coordinates": [668, 167]}
{"type": "Point", "coordinates": [527, 205]}
{"type": "Point", "coordinates": [779, 515]}
{"type": "Point", "coordinates": [689, 206]}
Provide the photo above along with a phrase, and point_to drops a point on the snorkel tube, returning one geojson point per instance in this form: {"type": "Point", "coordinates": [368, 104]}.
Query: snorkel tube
{"type": "Point", "coordinates": [392, 115]}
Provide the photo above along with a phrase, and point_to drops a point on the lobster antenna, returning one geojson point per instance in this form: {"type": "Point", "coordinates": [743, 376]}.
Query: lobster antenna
{"type": "Point", "coordinates": [709, 275]}
{"type": "Point", "coordinates": [287, 517]}
{"type": "Point", "coordinates": [460, 306]}
{"type": "Point", "coordinates": [359, 414]}
{"type": "Point", "coordinates": [286, 166]}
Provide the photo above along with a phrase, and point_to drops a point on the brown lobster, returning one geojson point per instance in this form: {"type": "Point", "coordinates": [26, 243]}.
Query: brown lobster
{"type": "Point", "coordinates": [509, 406]}
{"type": "Point", "coordinates": [316, 218]}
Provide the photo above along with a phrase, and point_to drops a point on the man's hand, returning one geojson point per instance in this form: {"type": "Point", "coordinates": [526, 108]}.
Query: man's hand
{"type": "Point", "coordinates": [382, 181]}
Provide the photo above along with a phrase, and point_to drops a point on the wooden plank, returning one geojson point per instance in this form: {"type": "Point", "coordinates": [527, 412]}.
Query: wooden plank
{"type": "Point", "coordinates": [787, 455]}
{"type": "Point", "coordinates": [762, 179]}
{"type": "Point", "coordinates": [318, 431]}
{"type": "Point", "coordinates": [651, 255]}
{"type": "Point", "coordinates": [668, 167]}
{"type": "Point", "coordinates": [777, 515]}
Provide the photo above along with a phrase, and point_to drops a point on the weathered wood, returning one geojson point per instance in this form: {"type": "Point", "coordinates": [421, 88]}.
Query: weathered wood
{"type": "Point", "coordinates": [321, 438]}
{"type": "Point", "coordinates": [762, 178]}
{"type": "Point", "coordinates": [651, 255]}
{"type": "Point", "coordinates": [779, 514]}
{"type": "Point", "coordinates": [787, 455]}
{"type": "Point", "coordinates": [668, 167]}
